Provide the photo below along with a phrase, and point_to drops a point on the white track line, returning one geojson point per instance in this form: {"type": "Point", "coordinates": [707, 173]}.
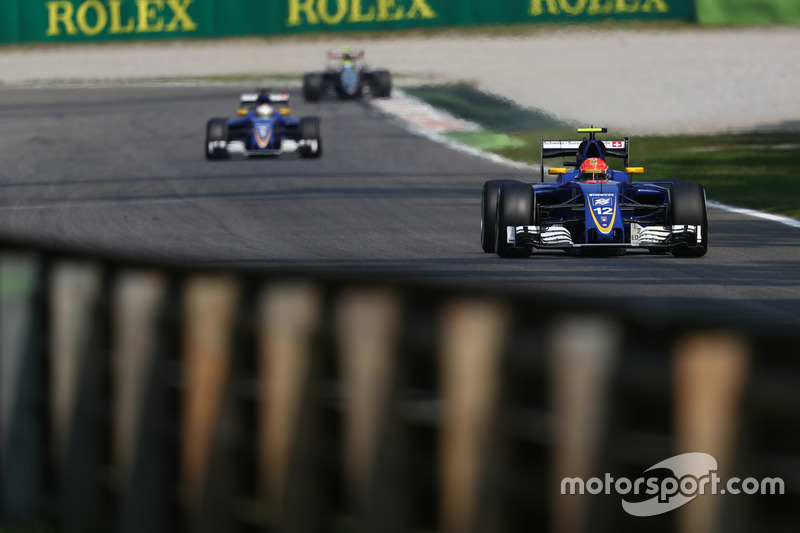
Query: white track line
{"type": "Point", "coordinates": [756, 214]}
{"type": "Point", "coordinates": [421, 118]}
{"type": "Point", "coordinates": [425, 120]}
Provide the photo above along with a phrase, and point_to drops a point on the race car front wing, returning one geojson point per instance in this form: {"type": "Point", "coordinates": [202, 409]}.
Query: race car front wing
{"type": "Point", "coordinates": [558, 236]}
{"type": "Point", "coordinates": [239, 147]}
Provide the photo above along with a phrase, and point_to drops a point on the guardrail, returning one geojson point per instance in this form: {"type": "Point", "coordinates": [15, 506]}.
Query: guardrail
{"type": "Point", "coordinates": [144, 398]}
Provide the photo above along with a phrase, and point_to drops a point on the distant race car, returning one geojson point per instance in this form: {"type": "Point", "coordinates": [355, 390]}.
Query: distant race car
{"type": "Point", "coordinates": [591, 207]}
{"type": "Point", "coordinates": [264, 127]}
{"type": "Point", "coordinates": [346, 76]}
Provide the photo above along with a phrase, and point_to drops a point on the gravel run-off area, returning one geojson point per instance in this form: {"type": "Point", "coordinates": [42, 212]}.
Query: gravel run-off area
{"type": "Point", "coordinates": [634, 81]}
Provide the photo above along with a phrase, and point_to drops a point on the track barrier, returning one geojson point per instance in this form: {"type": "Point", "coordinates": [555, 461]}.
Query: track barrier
{"type": "Point", "coordinates": [159, 398]}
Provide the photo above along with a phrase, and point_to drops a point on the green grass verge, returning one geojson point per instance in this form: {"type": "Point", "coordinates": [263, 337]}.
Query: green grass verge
{"type": "Point", "coordinates": [754, 170]}
{"type": "Point", "coordinates": [492, 112]}
{"type": "Point", "coordinates": [750, 170]}
{"type": "Point", "coordinates": [757, 170]}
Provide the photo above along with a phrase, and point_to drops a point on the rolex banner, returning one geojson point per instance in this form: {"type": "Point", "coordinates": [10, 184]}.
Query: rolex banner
{"type": "Point", "coordinates": [23, 21]}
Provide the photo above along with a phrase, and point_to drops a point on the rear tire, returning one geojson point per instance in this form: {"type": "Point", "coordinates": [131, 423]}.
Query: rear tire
{"type": "Point", "coordinates": [310, 130]}
{"type": "Point", "coordinates": [688, 207]}
{"type": "Point", "coordinates": [216, 131]}
{"type": "Point", "coordinates": [312, 87]}
{"type": "Point", "coordinates": [515, 207]}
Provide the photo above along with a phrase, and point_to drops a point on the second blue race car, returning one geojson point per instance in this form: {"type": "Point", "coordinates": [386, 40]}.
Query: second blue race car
{"type": "Point", "coordinates": [591, 207]}
{"type": "Point", "coordinates": [264, 127]}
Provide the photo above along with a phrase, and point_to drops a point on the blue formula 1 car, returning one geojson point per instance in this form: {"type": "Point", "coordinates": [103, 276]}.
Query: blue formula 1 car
{"type": "Point", "coordinates": [591, 207]}
{"type": "Point", "coordinates": [264, 127]}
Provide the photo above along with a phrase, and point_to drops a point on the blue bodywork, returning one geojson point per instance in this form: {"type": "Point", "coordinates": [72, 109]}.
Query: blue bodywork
{"type": "Point", "coordinates": [600, 212]}
{"type": "Point", "coordinates": [350, 80]}
{"type": "Point", "coordinates": [271, 133]}
{"type": "Point", "coordinates": [263, 135]}
{"type": "Point", "coordinates": [614, 212]}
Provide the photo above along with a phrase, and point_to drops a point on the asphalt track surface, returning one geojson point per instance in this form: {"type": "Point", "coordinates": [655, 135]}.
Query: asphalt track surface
{"type": "Point", "coordinates": [121, 170]}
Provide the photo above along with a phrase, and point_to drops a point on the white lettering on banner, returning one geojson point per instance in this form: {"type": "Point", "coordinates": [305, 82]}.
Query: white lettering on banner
{"type": "Point", "coordinates": [92, 17]}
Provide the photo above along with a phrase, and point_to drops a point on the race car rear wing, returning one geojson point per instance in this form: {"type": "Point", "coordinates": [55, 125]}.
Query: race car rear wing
{"type": "Point", "coordinates": [247, 102]}
{"type": "Point", "coordinates": [593, 148]}
{"type": "Point", "coordinates": [247, 99]}
{"type": "Point", "coordinates": [335, 55]}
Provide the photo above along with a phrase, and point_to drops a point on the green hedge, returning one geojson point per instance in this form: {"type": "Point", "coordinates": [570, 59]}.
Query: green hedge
{"type": "Point", "coordinates": [748, 12]}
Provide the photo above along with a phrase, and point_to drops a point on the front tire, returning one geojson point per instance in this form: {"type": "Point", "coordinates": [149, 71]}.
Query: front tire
{"type": "Point", "coordinates": [310, 130]}
{"type": "Point", "coordinates": [688, 207]}
{"type": "Point", "coordinates": [489, 213]}
{"type": "Point", "coordinates": [313, 85]}
{"type": "Point", "coordinates": [515, 207]}
{"type": "Point", "coordinates": [383, 84]}
{"type": "Point", "coordinates": [216, 131]}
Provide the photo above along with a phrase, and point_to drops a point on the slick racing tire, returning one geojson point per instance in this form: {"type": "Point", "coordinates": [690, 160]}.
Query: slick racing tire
{"type": "Point", "coordinates": [216, 131]}
{"type": "Point", "coordinates": [489, 213]}
{"type": "Point", "coordinates": [310, 131]}
{"type": "Point", "coordinates": [312, 87]}
{"type": "Point", "coordinates": [383, 84]}
{"type": "Point", "coordinates": [515, 207]}
{"type": "Point", "coordinates": [688, 206]}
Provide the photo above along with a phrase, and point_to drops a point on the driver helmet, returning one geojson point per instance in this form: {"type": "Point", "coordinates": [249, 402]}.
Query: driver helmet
{"type": "Point", "coordinates": [347, 56]}
{"type": "Point", "coordinates": [594, 169]}
{"type": "Point", "coordinates": [264, 106]}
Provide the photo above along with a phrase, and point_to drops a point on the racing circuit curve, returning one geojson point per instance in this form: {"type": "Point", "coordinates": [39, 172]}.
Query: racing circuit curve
{"type": "Point", "coordinates": [130, 178]}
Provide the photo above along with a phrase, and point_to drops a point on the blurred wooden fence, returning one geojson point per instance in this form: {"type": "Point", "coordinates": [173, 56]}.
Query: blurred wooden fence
{"type": "Point", "coordinates": [164, 400]}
